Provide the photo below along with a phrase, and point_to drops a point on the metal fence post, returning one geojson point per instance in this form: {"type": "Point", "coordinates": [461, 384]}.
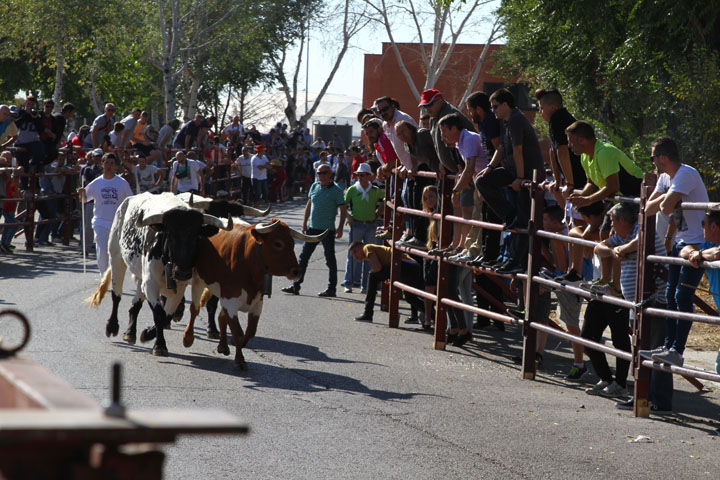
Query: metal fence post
{"type": "Point", "coordinates": [444, 238]}
{"type": "Point", "coordinates": [398, 227]}
{"type": "Point", "coordinates": [645, 282]}
{"type": "Point", "coordinates": [531, 288]}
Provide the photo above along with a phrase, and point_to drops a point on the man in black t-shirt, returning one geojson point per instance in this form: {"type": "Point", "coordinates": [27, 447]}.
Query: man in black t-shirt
{"type": "Point", "coordinates": [515, 162]}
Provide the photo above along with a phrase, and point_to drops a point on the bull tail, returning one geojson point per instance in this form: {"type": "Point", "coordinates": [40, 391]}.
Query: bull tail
{"type": "Point", "coordinates": [96, 298]}
{"type": "Point", "coordinates": [205, 297]}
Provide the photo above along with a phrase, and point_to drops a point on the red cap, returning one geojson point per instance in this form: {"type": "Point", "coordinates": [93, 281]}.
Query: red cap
{"type": "Point", "coordinates": [428, 96]}
{"type": "Point", "coordinates": [260, 148]}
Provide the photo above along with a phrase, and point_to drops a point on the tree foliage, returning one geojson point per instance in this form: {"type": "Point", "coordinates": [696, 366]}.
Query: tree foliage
{"type": "Point", "coordinates": [94, 51]}
{"type": "Point", "coordinates": [623, 64]}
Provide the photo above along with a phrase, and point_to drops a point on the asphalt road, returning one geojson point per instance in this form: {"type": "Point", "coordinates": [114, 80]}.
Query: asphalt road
{"type": "Point", "coordinates": [327, 397]}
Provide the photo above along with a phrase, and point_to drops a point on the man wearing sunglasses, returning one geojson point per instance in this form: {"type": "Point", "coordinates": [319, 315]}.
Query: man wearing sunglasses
{"type": "Point", "coordinates": [324, 200]}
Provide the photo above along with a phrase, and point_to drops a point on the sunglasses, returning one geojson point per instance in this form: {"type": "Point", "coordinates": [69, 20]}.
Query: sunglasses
{"type": "Point", "coordinates": [324, 172]}
{"type": "Point", "coordinates": [363, 174]}
{"type": "Point", "coordinates": [384, 109]}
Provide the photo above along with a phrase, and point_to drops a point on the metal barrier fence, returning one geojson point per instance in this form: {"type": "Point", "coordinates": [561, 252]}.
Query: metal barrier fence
{"type": "Point", "coordinates": [640, 337]}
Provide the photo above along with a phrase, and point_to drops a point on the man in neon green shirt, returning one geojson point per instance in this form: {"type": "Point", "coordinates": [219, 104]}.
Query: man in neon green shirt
{"type": "Point", "coordinates": [609, 171]}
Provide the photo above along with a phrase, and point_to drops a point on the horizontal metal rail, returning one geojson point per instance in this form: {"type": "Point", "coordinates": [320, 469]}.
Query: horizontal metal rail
{"type": "Point", "coordinates": [685, 372]}
{"type": "Point", "coordinates": [680, 261]}
{"type": "Point", "coordinates": [582, 341]}
{"type": "Point", "coordinates": [620, 302]}
{"type": "Point", "coordinates": [481, 311]}
{"type": "Point", "coordinates": [690, 317]}
{"type": "Point", "coordinates": [566, 238]}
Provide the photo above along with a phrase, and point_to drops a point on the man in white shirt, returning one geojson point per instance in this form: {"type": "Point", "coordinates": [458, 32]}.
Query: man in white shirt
{"type": "Point", "coordinates": [108, 192]}
{"type": "Point", "coordinates": [130, 123]}
{"type": "Point", "coordinates": [187, 175]}
{"type": "Point", "coordinates": [260, 164]}
{"type": "Point", "coordinates": [243, 164]}
{"type": "Point", "coordinates": [144, 175]}
{"type": "Point", "coordinates": [677, 183]}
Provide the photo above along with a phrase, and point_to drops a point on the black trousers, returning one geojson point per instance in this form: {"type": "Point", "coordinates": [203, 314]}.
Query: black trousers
{"type": "Point", "coordinates": [410, 274]}
{"type": "Point", "coordinates": [599, 316]}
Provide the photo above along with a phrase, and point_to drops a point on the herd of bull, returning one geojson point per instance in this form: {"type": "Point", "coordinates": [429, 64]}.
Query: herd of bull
{"type": "Point", "coordinates": [168, 241]}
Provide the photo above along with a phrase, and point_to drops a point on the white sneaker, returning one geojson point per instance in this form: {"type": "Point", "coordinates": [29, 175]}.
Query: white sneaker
{"type": "Point", "coordinates": [614, 390]}
{"type": "Point", "coordinates": [347, 290]}
{"type": "Point", "coordinates": [597, 388]}
{"type": "Point", "coordinates": [649, 353]}
{"type": "Point", "coordinates": [671, 356]}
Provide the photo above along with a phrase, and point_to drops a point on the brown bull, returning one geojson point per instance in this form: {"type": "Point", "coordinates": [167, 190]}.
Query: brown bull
{"type": "Point", "coordinates": [232, 265]}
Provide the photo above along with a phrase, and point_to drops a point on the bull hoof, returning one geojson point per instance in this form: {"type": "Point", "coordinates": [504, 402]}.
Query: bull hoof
{"type": "Point", "coordinates": [213, 334]}
{"type": "Point", "coordinates": [160, 352]}
{"type": "Point", "coordinates": [129, 338]}
{"type": "Point", "coordinates": [112, 329]}
{"type": "Point", "coordinates": [241, 366]}
{"type": "Point", "coordinates": [224, 349]}
{"type": "Point", "coordinates": [188, 340]}
{"type": "Point", "coordinates": [147, 334]}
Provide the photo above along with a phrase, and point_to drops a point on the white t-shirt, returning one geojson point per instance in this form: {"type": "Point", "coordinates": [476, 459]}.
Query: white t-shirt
{"type": "Point", "coordinates": [399, 145]}
{"type": "Point", "coordinates": [187, 175]}
{"type": "Point", "coordinates": [687, 181]}
{"type": "Point", "coordinates": [145, 178]}
{"type": "Point", "coordinates": [108, 195]}
{"type": "Point", "coordinates": [245, 165]}
{"type": "Point", "coordinates": [257, 161]}
{"type": "Point", "coordinates": [130, 123]}
{"type": "Point", "coordinates": [231, 129]}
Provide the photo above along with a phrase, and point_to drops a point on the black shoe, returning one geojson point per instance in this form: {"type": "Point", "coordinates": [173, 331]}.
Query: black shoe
{"type": "Point", "coordinates": [405, 237]}
{"type": "Point", "coordinates": [412, 320]}
{"type": "Point", "coordinates": [510, 267]}
{"type": "Point", "coordinates": [475, 262]}
{"type": "Point", "coordinates": [462, 339]}
{"type": "Point", "coordinates": [294, 289]}
{"type": "Point", "coordinates": [570, 278]}
{"type": "Point", "coordinates": [327, 293]}
{"type": "Point", "coordinates": [451, 337]}
{"type": "Point", "coordinates": [492, 263]}
{"type": "Point", "coordinates": [500, 325]}
{"type": "Point", "coordinates": [510, 223]}
{"type": "Point", "coordinates": [414, 243]}
{"type": "Point", "coordinates": [365, 317]}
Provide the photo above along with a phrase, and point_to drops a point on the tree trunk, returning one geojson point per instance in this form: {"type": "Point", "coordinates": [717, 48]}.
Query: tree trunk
{"type": "Point", "coordinates": [59, 76]}
{"type": "Point", "coordinates": [169, 86]}
{"type": "Point", "coordinates": [193, 96]}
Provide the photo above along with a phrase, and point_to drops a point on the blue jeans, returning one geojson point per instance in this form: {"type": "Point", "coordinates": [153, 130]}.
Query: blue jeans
{"type": "Point", "coordinates": [328, 243]}
{"type": "Point", "coordinates": [260, 189]}
{"type": "Point", "coordinates": [8, 232]}
{"type": "Point", "coordinates": [680, 298]}
{"type": "Point", "coordinates": [357, 273]}
{"type": "Point", "coordinates": [661, 383]}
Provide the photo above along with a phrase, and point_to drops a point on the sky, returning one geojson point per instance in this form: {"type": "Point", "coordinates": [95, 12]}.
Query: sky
{"type": "Point", "coordinates": [348, 79]}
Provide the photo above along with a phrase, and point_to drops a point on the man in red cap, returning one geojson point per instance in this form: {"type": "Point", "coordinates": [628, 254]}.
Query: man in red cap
{"type": "Point", "coordinates": [450, 160]}
{"type": "Point", "coordinates": [260, 164]}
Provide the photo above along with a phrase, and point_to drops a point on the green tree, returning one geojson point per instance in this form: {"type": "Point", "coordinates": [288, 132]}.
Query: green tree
{"type": "Point", "coordinates": [616, 62]}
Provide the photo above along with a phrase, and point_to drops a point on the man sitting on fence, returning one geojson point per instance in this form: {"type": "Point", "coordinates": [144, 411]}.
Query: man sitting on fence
{"type": "Point", "coordinates": [380, 258]}
{"type": "Point", "coordinates": [677, 183]}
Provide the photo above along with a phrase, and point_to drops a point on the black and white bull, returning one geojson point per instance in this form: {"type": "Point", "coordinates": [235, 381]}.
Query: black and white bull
{"type": "Point", "coordinates": [156, 237]}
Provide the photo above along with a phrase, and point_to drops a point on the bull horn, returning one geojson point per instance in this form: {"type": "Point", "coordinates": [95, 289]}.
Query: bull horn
{"type": "Point", "coordinates": [255, 212]}
{"type": "Point", "coordinates": [151, 220]}
{"type": "Point", "coordinates": [203, 204]}
{"type": "Point", "coordinates": [216, 222]}
{"type": "Point", "coordinates": [307, 238]}
{"type": "Point", "coordinates": [267, 228]}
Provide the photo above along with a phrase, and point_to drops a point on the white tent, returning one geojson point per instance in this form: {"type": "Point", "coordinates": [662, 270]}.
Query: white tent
{"type": "Point", "coordinates": [333, 109]}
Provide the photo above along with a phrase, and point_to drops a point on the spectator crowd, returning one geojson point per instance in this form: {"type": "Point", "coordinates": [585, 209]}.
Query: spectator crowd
{"type": "Point", "coordinates": [487, 150]}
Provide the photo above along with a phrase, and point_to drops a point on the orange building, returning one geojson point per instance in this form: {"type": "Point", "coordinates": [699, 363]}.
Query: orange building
{"type": "Point", "coordinates": [383, 76]}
